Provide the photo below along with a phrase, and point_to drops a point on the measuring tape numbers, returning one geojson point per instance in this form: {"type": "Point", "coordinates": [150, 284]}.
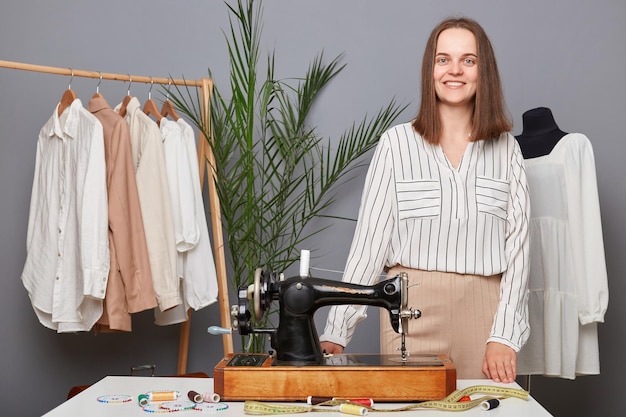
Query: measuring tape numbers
{"type": "Point", "coordinates": [450, 403]}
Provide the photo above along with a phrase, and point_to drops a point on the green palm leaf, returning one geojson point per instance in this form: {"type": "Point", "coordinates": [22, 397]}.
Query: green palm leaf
{"type": "Point", "coordinates": [275, 172]}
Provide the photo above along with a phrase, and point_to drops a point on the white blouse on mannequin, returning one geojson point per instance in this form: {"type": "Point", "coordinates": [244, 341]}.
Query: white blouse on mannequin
{"type": "Point", "coordinates": [568, 279]}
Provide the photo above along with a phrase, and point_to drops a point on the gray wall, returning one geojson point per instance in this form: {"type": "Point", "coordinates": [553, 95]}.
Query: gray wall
{"type": "Point", "coordinates": [566, 55]}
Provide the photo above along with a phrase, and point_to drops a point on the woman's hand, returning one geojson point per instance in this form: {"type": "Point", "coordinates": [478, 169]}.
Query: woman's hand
{"type": "Point", "coordinates": [331, 348]}
{"type": "Point", "coordinates": [500, 363]}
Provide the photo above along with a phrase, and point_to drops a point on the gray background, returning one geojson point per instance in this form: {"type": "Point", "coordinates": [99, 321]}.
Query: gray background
{"type": "Point", "coordinates": [566, 55]}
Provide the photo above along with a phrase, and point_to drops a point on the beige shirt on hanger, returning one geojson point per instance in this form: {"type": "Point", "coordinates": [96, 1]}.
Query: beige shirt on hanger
{"type": "Point", "coordinates": [130, 288]}
{"type": "Point", "coordinates": [153, 189]}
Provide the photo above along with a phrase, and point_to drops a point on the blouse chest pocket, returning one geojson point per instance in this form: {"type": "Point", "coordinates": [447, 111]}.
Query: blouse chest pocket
{"type": "Point", "coordinates": [492, 196]}
{"type": "Point", "coordinates": [419, 198]}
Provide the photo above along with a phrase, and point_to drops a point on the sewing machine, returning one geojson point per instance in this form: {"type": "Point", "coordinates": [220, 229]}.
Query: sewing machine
{"type": "Point", "coordinates": [297, 367]}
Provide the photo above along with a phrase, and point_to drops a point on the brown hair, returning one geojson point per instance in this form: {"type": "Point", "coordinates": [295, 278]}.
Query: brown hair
{"type": "Point", "coordinates": [489, 119]}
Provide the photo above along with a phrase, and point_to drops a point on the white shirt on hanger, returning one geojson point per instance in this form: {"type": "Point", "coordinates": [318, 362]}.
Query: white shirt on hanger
{"type": "Point", "coordinates": [181, 189]}
{"type": "Point", "coordinates": [199, 265]}
{"type": "Point", "coordinates": [67, 260]}
{"type": "Point", "coordinates": [183, 213]}
{"type": "Point", "coordinates": [199, 284]}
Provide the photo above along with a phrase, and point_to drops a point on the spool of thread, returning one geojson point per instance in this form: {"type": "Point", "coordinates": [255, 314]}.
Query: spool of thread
{"type": "Point", "coordinates": [211, 397]}
{"type": "Point", "coordinates": [313, 400]}
{"type": "Point", "coordinates": [194, 396]}
{"type": "Point", "coordinates": [353, 409]}
{"type": "Point", "coordinates": [143, 400]}
{"type": "Point", "coordinates": [305, 256]}
{"type": "Point", "coordinates": [163, 395]}
{"type": "Point", "coordinates": [490, 404]}
{"type": "Point", "coordinates": [362, 401]}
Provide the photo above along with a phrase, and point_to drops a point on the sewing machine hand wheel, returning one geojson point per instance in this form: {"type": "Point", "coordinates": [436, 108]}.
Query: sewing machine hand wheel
{"type": "Point", "coordinates": [260, 292]}
{"type": "Point", "coordinates": [256, 294]}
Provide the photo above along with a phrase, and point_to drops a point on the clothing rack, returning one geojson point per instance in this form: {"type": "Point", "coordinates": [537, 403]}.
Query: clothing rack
{"type": "Point", "coordinates": [206, 161]}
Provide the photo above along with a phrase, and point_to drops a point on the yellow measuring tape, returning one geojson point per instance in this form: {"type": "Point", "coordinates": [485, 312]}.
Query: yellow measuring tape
{"type": "Point", "coordinates": [450, 403]}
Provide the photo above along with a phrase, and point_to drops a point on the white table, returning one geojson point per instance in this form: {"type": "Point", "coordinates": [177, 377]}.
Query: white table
{"type": "Point", "coordinates": [86, 403]}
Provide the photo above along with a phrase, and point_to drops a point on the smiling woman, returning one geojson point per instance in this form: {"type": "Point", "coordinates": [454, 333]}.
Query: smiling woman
{"type": "Point", "coordinates": [455, 76]}
{"type": "Point", "coordinates": [446, 201]}
{"type": "Point", "coordinates": [455, 72]}
{"type": "Point", "coordinates": [489, 118]}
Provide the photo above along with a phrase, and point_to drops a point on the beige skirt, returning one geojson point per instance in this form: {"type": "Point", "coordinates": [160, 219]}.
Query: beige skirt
{"type": "Point", "coordinates": [457, 314]}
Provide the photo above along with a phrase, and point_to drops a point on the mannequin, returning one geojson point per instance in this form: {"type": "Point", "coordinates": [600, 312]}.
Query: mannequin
{"type": "Point", "coordinates": [540, 133]}
{"type": "Point", "coordinates": [568, 288]}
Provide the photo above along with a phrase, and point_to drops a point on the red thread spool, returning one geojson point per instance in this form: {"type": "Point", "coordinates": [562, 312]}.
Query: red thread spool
{"type": "Point", "coordinates": [362, 401]}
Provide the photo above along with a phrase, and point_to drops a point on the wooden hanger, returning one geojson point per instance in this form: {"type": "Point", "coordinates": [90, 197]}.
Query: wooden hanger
{"type": "Point", "coordinates": [169, 110]}
{"type": "Point", "coordinates": [125, 102]}
{"type": "Point", "coordinates": [150, 108]}
{"type": "Point", "coordinates": [66, 100]}
{"type": "Point", "coordinates": [168, 107]}
{"type": "Point", "coordinates": [122, 111]}
{"type": "Point", "coordinates": [68, 96]}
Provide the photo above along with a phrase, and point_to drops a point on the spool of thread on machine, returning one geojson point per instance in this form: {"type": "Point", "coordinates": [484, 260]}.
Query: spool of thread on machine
{"type": "Point", "coordinates": [305, 256]}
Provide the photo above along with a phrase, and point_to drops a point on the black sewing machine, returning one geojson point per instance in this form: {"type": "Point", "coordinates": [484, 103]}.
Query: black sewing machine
{"type": "Point", "coordinates": [299, 366]}
{"type": "Point", "coordinates": [296, 340]}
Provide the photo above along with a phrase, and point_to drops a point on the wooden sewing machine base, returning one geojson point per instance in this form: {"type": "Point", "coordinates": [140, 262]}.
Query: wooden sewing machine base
{"type": "Point", "coordinates": [240, 377]}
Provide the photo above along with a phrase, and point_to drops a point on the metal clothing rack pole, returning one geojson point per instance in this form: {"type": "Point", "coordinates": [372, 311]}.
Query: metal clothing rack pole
{"type": "Point", "coordinates": [206, 161]}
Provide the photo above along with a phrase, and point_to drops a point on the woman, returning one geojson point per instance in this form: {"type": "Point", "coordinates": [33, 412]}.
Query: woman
{"type": "Point", "coordinates": [446, 201]}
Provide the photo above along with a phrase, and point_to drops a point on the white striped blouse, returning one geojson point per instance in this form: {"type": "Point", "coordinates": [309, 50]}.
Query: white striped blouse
{"type": "Point", "coordinates": [418, 211]}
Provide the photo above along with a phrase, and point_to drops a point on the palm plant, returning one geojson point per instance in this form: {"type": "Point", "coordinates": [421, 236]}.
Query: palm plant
{"type": "Point", "coordinates": [274, 172]}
